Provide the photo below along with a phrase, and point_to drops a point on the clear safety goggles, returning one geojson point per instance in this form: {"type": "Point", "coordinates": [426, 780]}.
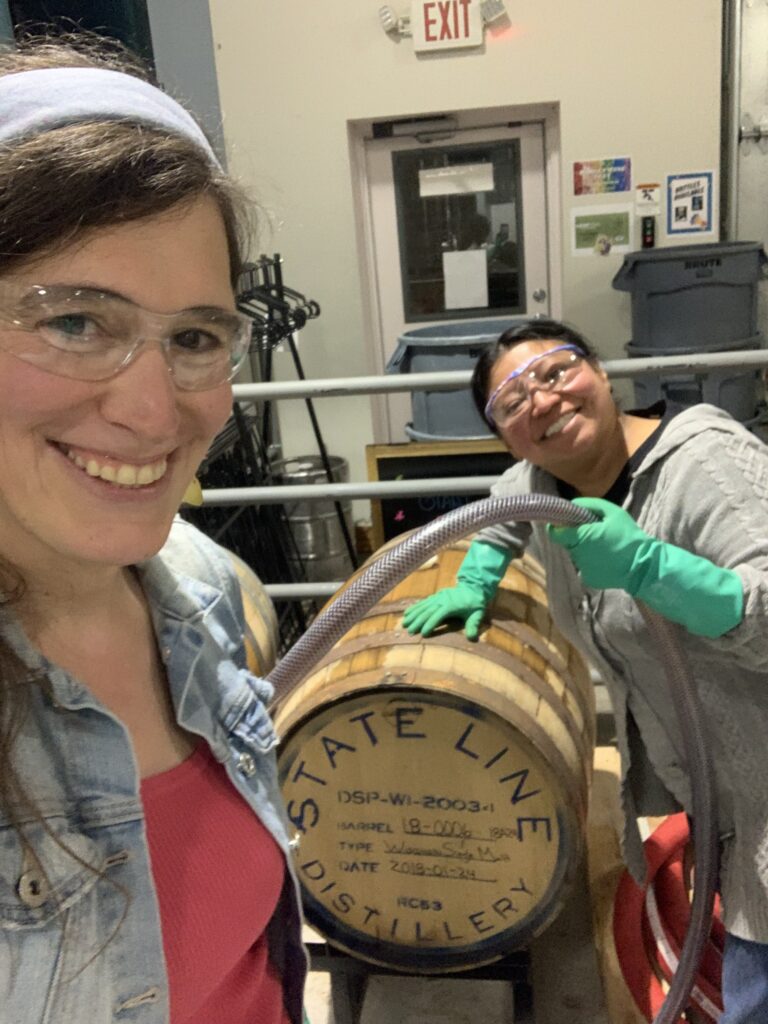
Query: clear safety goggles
{"type": "Point", "coordinates": [88, 334]}
{"type": "Point", "coordinates": [550, 371]}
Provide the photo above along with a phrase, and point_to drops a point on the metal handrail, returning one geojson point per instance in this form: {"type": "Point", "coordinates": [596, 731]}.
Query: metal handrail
{"type": "Point", "coordinates": [450, 380]}
{"type": "Point", "coordinates": [323, 489]}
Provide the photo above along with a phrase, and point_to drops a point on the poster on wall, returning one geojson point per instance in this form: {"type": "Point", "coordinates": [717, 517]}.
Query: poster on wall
{"type": "Point", "coordinates": [595, 177]}
{"type": "Point", "coordinates": [600, 230]}
{"type": "Point", "coordinates": [689, 203]}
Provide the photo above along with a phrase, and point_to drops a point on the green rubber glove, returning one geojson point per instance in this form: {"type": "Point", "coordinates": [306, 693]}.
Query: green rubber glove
{"type": "Point", "coordinates": [478, 577]}
{"type": "Point", "coordinates": [683, 587]}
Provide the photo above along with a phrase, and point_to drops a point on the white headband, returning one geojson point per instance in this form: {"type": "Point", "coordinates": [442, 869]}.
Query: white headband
{"type": "Point", "coordinates": [32, 102]}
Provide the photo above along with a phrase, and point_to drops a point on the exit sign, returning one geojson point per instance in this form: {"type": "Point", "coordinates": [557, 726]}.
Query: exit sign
{"type": "Point", "coordinates": [446, 24]}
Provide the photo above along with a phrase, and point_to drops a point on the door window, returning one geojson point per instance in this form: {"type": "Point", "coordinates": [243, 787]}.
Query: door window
{"type": "Point", "coordinates": [459, 219]}
{"type": "Point", "coordinates": [456, 231]}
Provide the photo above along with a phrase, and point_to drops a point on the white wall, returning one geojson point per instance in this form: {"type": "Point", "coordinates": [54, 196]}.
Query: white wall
{"type": "Point", "coordinates": [637, 79]}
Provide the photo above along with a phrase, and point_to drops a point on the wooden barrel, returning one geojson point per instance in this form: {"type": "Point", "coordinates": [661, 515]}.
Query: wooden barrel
{"type": "Point", "coordinates": [439, 787]}
{"type": "Point", "coordinates": [261, 632]}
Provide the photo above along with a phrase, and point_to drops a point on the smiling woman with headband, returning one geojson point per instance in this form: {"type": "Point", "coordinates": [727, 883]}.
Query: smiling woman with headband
{"type": "Point", "coordinates": [144, 857]}
{"type": "Point", "coordinates": [683, 500]}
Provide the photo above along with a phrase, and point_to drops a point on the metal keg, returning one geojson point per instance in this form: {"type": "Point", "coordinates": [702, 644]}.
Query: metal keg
{"type": "Point", "coordinates": [320, 549]}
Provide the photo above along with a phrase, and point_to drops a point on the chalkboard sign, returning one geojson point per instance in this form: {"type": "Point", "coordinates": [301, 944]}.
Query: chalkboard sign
{"type": "Point", "coordinates": [436, 459]}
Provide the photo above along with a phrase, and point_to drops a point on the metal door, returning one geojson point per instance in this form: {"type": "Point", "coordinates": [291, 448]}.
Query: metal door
{"type": "Point", "coordinates": [459, 234]}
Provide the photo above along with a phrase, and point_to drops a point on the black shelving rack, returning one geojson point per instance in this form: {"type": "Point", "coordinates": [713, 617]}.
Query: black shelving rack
{"type": "Point", "coordinates": [245, 452]}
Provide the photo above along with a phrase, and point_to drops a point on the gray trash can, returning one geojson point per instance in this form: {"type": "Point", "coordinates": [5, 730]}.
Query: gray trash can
{"type": "Point", "coordinates": [694, 297]}
{"type": "Point", "coordinates": [445, 415]}
{"type": "Point", "coordinates": [729, 388]}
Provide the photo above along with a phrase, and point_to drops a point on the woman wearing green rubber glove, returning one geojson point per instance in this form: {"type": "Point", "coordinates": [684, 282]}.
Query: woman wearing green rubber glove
{"type": "Point", "coordinates": [682, 496]}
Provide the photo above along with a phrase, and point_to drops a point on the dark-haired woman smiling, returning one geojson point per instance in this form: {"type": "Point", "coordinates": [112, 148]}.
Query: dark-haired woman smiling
{"type": "Point", "coordinates": [682, 496]}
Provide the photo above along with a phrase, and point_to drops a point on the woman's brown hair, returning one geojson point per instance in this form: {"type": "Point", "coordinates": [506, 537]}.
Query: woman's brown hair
{"type": "Point", "coordinates": [108, 171]}
{"type": "Point", "coordinates": [56, 186]}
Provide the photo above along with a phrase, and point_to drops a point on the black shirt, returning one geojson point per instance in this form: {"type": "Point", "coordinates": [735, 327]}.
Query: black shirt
{"type": "Point", "coordinates": [617, 492]}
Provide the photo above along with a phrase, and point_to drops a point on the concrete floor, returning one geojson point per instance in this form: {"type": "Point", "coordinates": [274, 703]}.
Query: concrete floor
{"type": "Point", "coordinates": [419, 1001]}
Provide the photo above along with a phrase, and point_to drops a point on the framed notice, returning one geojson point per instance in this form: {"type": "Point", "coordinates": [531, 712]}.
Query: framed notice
{"type": "Point", "coordinates": [429, 460]}
{"type": "Point", "coordinates": [689, 203]}
{"type": "Point", "coordinates": [600, 230]}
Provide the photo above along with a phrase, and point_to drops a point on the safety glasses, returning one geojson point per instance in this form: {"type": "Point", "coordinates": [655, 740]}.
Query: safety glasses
{"type": "Point", "coordinates": [87, 334]}
{"type": "Point", "coordinates": [550, 371]}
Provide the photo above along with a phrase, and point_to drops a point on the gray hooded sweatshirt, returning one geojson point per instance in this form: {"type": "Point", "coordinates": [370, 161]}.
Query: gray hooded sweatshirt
{"type": "Point", "coordinates": [704, 487]}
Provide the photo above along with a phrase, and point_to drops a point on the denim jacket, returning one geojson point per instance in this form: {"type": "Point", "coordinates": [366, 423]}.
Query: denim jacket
{"type": "Point", "coordinates": [80, 946]}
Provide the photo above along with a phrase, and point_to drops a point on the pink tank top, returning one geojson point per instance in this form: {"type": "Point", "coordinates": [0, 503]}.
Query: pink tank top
{"type": "Point", "coordinates": [218, 874]}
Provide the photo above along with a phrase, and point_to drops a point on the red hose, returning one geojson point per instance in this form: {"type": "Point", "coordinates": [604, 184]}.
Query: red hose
{"type": "Point", "coordinates": [671, 890]}
{"type": "Point", "coordinates": [649, 925]}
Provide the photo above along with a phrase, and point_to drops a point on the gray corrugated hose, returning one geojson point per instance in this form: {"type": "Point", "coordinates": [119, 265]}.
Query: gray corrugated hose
{"type": "Point", "coordinates": [396, 562]}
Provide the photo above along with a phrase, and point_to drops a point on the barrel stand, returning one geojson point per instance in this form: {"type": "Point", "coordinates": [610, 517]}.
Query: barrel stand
{"type": "Point", "coordinates": [349, 980]}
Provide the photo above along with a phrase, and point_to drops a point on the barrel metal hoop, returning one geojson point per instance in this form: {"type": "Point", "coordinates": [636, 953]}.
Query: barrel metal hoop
{"type": "Point", "coordinates": [390, 640]}
{"type": "Point", "coordinates": [527, 635]}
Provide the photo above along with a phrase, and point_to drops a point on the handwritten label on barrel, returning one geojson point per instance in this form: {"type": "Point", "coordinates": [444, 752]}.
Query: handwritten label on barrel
{"type": "Point", "coordinates": [421, 822]}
